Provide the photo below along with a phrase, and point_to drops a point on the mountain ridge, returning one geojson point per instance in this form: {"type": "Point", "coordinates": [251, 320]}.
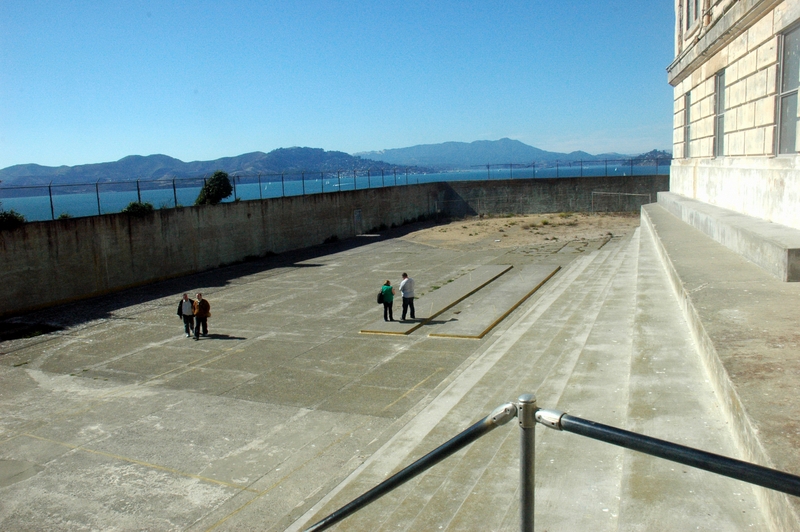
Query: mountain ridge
{"type": "Point", "coordinates": [418, 159]}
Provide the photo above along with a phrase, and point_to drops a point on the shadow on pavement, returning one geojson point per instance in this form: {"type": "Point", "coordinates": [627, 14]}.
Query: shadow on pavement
{"type": "Point", "coordinates": [105, 307]}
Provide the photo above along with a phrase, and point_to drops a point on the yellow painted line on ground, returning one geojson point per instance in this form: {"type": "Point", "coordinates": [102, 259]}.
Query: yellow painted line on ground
{"type": "Point", "coordinates": [501, 318]}
{"type": "Point", "coordinates": [420, 383]}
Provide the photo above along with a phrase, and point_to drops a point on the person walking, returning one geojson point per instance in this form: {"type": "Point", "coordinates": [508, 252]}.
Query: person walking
{"type": "Point", "coordinates": [202, 311]}
{"type": "Point", "coordinates": [186, 312]}
{"type": "Point", "coordinates": [407, 291]}
{"type": "Point", "coordinates": [388, 300]}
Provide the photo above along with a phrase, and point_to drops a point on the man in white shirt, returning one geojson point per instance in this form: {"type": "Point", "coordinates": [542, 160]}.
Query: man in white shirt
{"type": "Point", "coordinates": [407, 291]}
{"type": "Point", "coordinates": [185, 312]}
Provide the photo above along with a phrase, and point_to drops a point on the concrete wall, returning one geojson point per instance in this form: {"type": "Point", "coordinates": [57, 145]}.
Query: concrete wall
{"type": "Point", "coordinates": [45, 263]}
{"type": "Point", "coordinates": [763, 188]}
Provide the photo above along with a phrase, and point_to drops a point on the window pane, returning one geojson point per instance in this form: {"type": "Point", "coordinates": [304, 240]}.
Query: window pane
{"type": "Point", "coordinates": [788, 132]}
{"type": "Point", "coordinates": [687, 120]}
{"type": "Point", "coordinates": [791, 61]}
{"type": "Point", "coordinates": [719, 140]}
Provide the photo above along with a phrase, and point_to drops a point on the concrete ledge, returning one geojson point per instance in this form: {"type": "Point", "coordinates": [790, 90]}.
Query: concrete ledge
{"type": "Point", "coordinates": [774, 247]}
{"type": "Point", "coordinates": [502, 299]}
{"type": "Point", "coordinates": [744, 323]}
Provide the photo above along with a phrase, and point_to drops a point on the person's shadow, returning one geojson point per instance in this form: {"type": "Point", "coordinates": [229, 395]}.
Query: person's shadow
{"type": "Point", "coordinates": [224, 337]}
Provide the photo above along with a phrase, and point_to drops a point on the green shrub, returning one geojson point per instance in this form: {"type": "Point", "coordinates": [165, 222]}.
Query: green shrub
{"type": "Point", "coordinates": [64, 216]}
{"type": "Point", "coordinates": [10, 220]}
{"type": "Point", "coordinates": [137, 208]}
{"type": "Point", "coordinates": [216, 188]}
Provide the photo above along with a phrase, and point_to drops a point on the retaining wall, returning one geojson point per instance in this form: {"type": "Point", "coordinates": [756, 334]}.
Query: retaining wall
{"type": "Point", "coordinates": [46, 263]}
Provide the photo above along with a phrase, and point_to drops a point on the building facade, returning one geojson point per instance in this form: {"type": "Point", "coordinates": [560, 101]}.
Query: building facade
{"type": "Point", "coordinates": [736, 76]}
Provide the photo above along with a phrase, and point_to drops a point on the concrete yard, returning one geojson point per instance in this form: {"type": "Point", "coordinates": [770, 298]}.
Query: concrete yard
{"type": "Point", "coordinates": [286, 410]}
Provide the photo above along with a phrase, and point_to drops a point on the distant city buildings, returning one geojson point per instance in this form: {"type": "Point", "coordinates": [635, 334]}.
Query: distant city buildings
{"type": "Point", "coordinates": [736, 76]}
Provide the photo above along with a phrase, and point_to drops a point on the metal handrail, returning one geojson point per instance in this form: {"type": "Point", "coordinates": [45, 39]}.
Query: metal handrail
{"type": "Point", "coordinates": [715, 463]}
{"type": "Point", "coordinates": [529, 414]}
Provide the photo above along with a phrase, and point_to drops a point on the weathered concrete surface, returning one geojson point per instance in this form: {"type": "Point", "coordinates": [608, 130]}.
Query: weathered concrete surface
{"type": "Point", "coordinates": [285, 410]}
{"type": "Point", "coordinates": [774, 247]}
{"type": "Point", "coordinates": [120, 421]}
{"type": "Point", "coordinates": [45, 263]}
{"type": "Point", "coordinates": [744, 322]}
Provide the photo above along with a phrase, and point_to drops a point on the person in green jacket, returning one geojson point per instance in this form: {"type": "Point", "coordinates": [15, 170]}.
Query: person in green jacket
{"type": "Point", "coordinates": [388, 299]}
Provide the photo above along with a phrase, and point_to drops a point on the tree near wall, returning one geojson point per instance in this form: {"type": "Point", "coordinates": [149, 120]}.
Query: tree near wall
{"type": "Point", "coordinates": [10, 219]}
{"type": "Point", "coordinates": [217, 188]}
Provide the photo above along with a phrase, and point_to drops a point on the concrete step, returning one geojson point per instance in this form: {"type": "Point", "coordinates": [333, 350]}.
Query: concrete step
{"type": "Point", "coordinates": [744, 322]}
{"type": "Point", "coordinates": [478, 484]}
{"type": "Point", "coordinates": [670, 397]}
{"type": "Point", "coordinates": [774, 247]}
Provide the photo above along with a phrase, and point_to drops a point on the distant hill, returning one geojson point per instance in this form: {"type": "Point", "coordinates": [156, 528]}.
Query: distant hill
{"type": "Point", "coordinates": [419, 159]}
{"type": "Point", "coordinates": [287, 160]}
{"type": "Point", "coordinates": [453, 155]}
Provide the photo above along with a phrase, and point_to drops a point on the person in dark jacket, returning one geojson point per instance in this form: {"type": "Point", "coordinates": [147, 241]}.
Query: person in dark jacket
{"type": "Point", "coordinates": [186, 312]}
{"type": "Point", "coordinates": [202, 311]}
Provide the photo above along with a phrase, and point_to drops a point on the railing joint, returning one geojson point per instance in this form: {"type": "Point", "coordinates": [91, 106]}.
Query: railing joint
{"type": "Point", "coordinates": [549, 418]}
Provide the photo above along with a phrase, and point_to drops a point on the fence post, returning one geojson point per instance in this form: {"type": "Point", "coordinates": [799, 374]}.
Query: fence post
{"type": "Point", "coordinates": [259, 188]}
{"type": "Point", "coordinates": [527, 459]}
{"type": "Point", "coordinates": [50, 193]}
{"type": "Point", "coordinates": [234, 187]}
{"type": "Point", "coordinates": [174, 193]}
{"type": "Point", "coordinates": [303, 182]}
{"type": "Point", "coordinates": [383, 184]}
{"type": "Point", "coordinates": [138, 192]}
{"type": "Point", "coordinates": [355, 181]}
{"type": "Point", "coordinates": [339, 178]}
{"type": "Point", "coordinates": [97, 191]}
{"type": "Point", "coordinates": [283, 187]}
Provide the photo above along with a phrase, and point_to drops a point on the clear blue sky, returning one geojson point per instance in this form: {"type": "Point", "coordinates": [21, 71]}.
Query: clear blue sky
{"type": "Point", "coordinates": [94, 81]}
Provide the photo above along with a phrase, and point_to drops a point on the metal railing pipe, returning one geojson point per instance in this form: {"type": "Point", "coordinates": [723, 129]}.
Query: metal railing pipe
{"type": "Point", "coordinates": [500, 416]}
{"type": "Point", "coordinates": [721, 465]}
{"type": "Point", "coordinates": [526, 411]}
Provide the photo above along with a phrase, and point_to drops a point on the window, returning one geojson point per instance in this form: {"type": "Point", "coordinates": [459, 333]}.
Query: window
{"type": "Point", "coordinates": [719, 114]}
{"type": "Point", "coordinates": [790, 80]}
{"type": "Point", "coordinates": [687, 104]}
{"type": "Point", "coordinates": [692, 12]}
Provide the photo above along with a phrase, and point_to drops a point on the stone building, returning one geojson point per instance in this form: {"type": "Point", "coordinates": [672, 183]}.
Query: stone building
{"type": "Point", "coordinates": [736, 75]}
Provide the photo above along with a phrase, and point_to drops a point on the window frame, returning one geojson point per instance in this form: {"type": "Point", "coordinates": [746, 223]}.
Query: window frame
{"type": "Point", "coordinates": [787, 95]}
{"type": "Point", "coordinates": [692, 12]}
{"type": "Point", "coordinates": [687, 121]}
{"type": "Point", "coordinates": [719, 114]}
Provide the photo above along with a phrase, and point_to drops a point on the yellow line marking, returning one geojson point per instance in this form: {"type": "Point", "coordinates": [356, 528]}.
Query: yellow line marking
{"type": "Point", "coordinates": [420, 383]}
{"type": "Point", "coordinates": [501, 318]}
